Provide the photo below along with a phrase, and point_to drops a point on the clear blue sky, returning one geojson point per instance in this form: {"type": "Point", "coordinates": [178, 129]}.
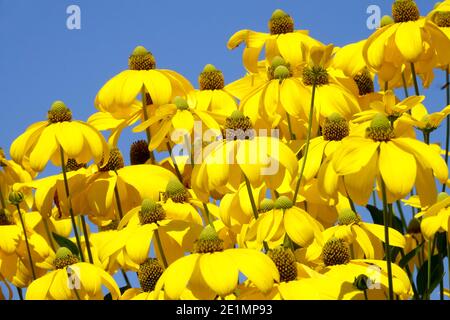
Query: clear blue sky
{"type": "Point", "coordinates": [42, 61]}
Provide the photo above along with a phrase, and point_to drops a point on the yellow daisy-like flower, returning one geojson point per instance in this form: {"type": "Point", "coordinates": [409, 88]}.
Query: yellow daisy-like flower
{"type": "Point", "coordinates": [332, 255]}
{"type": "Point", "coordinates": [212, 271]}
{"type": "Point", "coordinates": [363, 236]}
{"type": "Point", "coordinates": [142, 77]}
{"type": "Point", "coordinates": [176, 119]}
{"type": "Point", "coordinates": [384, 154]}
{"type": "Point", "coordinates": [213, 95]}
{"type": "Point", "coordinates": [72, 280]}
{"type": "Point", "coordinates": [424, 121]}
{"type": "Point", "coordinates": [282, 40]}
{"type": "Point", "coordinates": [150, 224]}
{"type": "Point", "coordinates": [59, 138]}
{"type": "Point", "coordinates": [440, 15]}
{"type": "Point", "coordinates": [390, 106]}
{"type": "Point", "coordinates": [259, 158]}
{"type": "Point", "coordinates": [410, 40]}
{"type": "Point", "coordinates": [436, 218]}
{"type": "Point", "coordinates": [283, 219]}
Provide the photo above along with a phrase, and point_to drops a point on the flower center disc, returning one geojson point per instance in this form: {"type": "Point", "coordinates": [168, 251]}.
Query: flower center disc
{"type": "Point", "coordinates": [405, 10]}
{"type": "Point", "coordinates": [335, 251]}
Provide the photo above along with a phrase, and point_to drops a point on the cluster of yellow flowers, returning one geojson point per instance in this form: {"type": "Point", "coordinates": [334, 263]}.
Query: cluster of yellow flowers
{"type": "Point", "coordinates": [264, 204]}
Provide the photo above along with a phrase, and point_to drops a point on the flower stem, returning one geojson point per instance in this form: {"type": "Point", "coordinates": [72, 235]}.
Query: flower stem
{"type": "Point", "coordinates": [374, 198]}
{"type": "Point", "coordinates": [252, 202]}
{"type": "Point", "coordinates": [447, 135]}
{"type": "Point", "coordinates": [386, 238]}
{"type": "Point", "coordinates": [365, 295]}
{"type": "Point", "coordinates": [26, 241]}
{"type": "Point", "coordinates": [402, 216]}
{"type": "Point", "coordinates": [19, 292]}
{"type": "Point", "coordinates": [430, 253]}
{"type": "Point", "coordinates": [208, 216]}
{"type": "Point", "coordinates": [177, 170]}
{"type": "Point", "coordinates": [308, 139]}
{"type": "Point", "coordinates": [410, 276]}
{"type": "Point", "coordinates": [72, 216]}
{"type": "Point", "coordinates": [386, 86]}
{"type": "Point", "coordinates": [147, 130]}
{"type": "Point", "coordinates": [160, 248]}
{"type": "Point", "coordinates": [416, 84]}
{"type": "Point", "coordinates": [118, 201]}
{"type": "Point", "coordinates": [125, 277]}
{"type": "Point", "coordinates": [2, 200]}
{"type": "Point", "coordinates": [291, 133]}
{"type": "Point", "coordinates": [86, 239]}
{"type": "Point", "coordinates": [47, 230]}
{"type": "Point", "coordinates": [405, 86]}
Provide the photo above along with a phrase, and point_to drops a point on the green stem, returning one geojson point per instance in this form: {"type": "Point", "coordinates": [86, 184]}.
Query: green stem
{"type": "Point", "coordinates": [19, 292]}
{"type": "Point", "coordinates": [447, 135]}
{"type": "Point", "coordinates": [26, 241]}
{"type": "Point", "coordinates": [374, 198]}
{"type": "Point", "coordinates": [49, 234]}
{"type": "Point", "coordinates": [118, 201]}
{"type": "Point", "coordinates": [125, 277]}
{"type": "Point", "coordinates": [72, 216]}
{"type": "Point", "coordinates": [402, 216]}
{"type": "Point", "coordinates": [386, 238]}
{"type": "Point", "coordinates": [147, 130]}
{"type": "Point", "coordinates": [252, 202]}
{"type": "Point", "coordinates": [291, 133]}
{"type": "Point", "coordinates": [160, 248]}
{"type": "Point", "coordinates": [386, 86]}
{"type": "Point", "coordinates": [405, 86]}
{"type": "Point", "coordinates": [416, 85]}
{"type": "Point", "coordinates": [177, 170]}
{"type": "Point", "coordinates": [86, 239]}
{"type": "Point", "coordinates": [208, 216]}
{"type": "Point", "coordinates": [2, 200]}
{"type": "Point", "coordinates": [426, 137]}
{"type": "Point", "coordinates": [365, 295]}
{"type": "Point", "coordinates": [410, 276]}
{"type": "Point", "coordinates": [308, 139]}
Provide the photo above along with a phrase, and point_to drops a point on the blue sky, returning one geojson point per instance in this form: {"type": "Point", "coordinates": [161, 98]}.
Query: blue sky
{"type": "Point", "coordinates": [41, 60]}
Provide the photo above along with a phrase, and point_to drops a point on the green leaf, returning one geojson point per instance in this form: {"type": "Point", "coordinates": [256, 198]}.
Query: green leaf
{"type": "Point", "coordinates": [405, 259]}
{"type": "Point", "coordinates": [377, 217]}
{"type": "Point", "coordinates": [64, 242]}
{"type": "Point", "coordinates": [437, 273]}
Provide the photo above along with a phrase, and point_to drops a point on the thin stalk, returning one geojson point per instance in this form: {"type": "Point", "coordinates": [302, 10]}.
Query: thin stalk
{"type": "Point", "coordinates": [374, 198]}
{"type": "Point", "coordinates": [291, 133]}
{"type": "Point", "coordinates": [160, 248]}
{"type": "Point", "coordinates": [447, 133]}
{"type": "Point", "coordinates": [86, 239]}
{"type": "Point", "coordinates": [365, 295]}
{"type": "Point", "coordinates": [26, 241]}
{"type": "Point", "coordinates": [410, 276]}
{"type": "Point", "coordinates": [72, 216]}
{"type": "Point", "coordinates": [386, 238]}
{"type": "Point", "coordinates": [252, 202]}
{"type": "Point", "coordinates": [405, 86]}
{"type": "Point", "coordinates": [177, 170]}
{"type": "Point", "coordinates": [147, 130]}
{"type": "Point", "coordinates": [2, 200]}
{"type": "Point", "coordinates": [208, 216]}
{"type": "Point", "coordinates": [49, 234]}
{"type": "Point", "coordinates": [19, 292]}
{"type": "Point", "coordinates": [430, 253]}
{"type": "Point", "coordinates": [416, 84]}
{"type": "Point", "coordinates": [125, 277]}
{"type": "Point", "coordinates": [308, 139]}
{"type": "Point", "coordinates": [386, 86]}
{"type": "Point", "coordinates": [118, 201]}
{"type": "Point", "coordinates": [402, 216]}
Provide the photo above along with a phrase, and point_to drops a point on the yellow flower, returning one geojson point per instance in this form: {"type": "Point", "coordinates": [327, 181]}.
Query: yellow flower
{"type": "Point", "coordinates": [142, 226]}
{"type": "Point", "coordinates": [283, 219]}
{"type": "Point", "coordinates": [211, 271]}
{"type": "Point", "coordinates": [176, 118]}
{"type": "Point", "coordinates": [86, 281]}
{"type": "Point", "coordinates": [401, 162]}
{"type": "Point", "coordinates": [436, 218]}
{"type": "Point", "coordinates": [46, 140]}
{"type": "Point", "coordinates": [213, 95]}
{"type": "Point", "coordinates": [390, 106]}
{"type": "Point", "coordinates": [122, 90]}
{"type": "Point", "coordinates": [411, 39]}
{"type": "Point", "coordinates": [282, 40]}
{"type": "Point", "coordinates": [440, 15]}
{"type": "Point", "coordinates": [363, 237]}
{"type": "Point", "coordinates": [259, 158]}
{"type": "Point", "coordinates": [333, 257]}
{"type": "Point", "coordinates": [424, 121]}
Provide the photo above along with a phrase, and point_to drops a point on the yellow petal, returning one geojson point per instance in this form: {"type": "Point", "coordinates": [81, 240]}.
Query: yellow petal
{"type": "Point", "coordinates": [184, 120]}
{"type": "Point", "coordinates": [219, 272]}
{"type": "Point", "coordinates": [408, 39]}
{"type": "Point", "coordinates": [396, 239]}
{"type": "Point", "coordinates": [44, 149]}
